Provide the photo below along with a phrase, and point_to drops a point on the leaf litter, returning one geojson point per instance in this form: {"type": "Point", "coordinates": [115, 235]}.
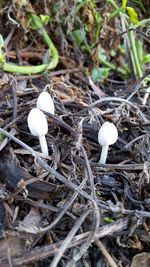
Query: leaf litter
{"type": "Point", "coordinates": [65, 209]}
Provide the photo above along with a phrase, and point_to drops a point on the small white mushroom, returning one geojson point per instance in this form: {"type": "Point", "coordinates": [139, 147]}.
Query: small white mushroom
{"type": "Point", "coordinates": [107, 135]}
{"type": "Point", "coordinates": [45, 102]}
{"type": "Point", "coordinates": [38, 126]}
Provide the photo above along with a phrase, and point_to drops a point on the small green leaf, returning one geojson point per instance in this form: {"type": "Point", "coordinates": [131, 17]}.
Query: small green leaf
{"type": "Point", "coordinates": [2, 56]}
{"type": "Point", "coordinates": [132, 15]}
{"type": "Point", "coordinates": [124, 2]}
{"type": "Point", "coordinates": [23, 3]}
{"type": "Point", "coordinates": [101, 56]}
{"type": "Point", "coordinates": [116, 12]}
{"type": "Point", "coordinates": [1, 41]}
{"type": "Point", "coordinates": [100, 74]}
{"type": "Point", "coordinates": [113, 4]}
{"type": "Point", "coordinates": [78, 37]}
{"type": "Point", "coordinates": [98, 18]}
{"type": "Point", "coordinates": [2, 136]}
{"type": "Point", "coordinates": [113, 53]}
{"type": "Point", "coordinates": [121, 49]}
{"type": "Point", "coordinates": [46, 58]}
{"type": "Point", "coordinates": [102, 59]}
{"type": "Point", "coordinates": [139, 49]}
{"type": "Point", "coordinates": [146, 58]}
{"type": "Point", "coordinates": [45, 19]}
{"type": "Point", "coordinates": [108, 220]}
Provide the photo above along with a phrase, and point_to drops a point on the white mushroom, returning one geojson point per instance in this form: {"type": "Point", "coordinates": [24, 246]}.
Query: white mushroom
{"type": "Point", "coordinates": [107, 135]}
{"type": "Point", "coordinates": [45, 102]}
{"type": "Point", "coordinates": [38, 126]}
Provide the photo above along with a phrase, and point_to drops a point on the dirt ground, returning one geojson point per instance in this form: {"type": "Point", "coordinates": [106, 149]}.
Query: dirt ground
{"type": "Point", "coordinates": [67, 207]}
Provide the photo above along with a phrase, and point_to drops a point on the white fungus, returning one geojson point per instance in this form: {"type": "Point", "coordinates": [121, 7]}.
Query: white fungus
{"type": "Point", "coordinates": [45, 102]}
{"type": "Point", "coordinates": [107, 135]}
{"type": "Point", "coordinates": [38, 126]}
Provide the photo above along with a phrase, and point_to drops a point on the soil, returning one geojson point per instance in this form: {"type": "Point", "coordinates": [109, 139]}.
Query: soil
{"type": "Point", "coordinates": [67, 209]}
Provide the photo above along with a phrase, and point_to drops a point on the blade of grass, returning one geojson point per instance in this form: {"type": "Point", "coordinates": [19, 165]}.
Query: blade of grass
{"type": "Point", "coordinates": [136, 65]}
{"type": "Point", "coordinates": [9, 67]}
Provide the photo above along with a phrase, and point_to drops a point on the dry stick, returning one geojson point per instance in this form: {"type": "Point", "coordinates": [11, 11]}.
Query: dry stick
{"type": "Point", "coordinates": [48, 168]}
{"type": "Point", "coordinates": [60, 122]}
{"type": "Point", "coordinates": [125, 167]}
{"type": "Point", "coordinates": [6, 140]}
{"type": "Point", "coordinates": [138, 84]}
{"type": "Point", "coordinates": [8, 254]}
{"type": "Point", "coordinates": [86, 244]}
{"type": "Point", "coordinates": [82, 251]}
{"type": "Point", "coordinates": [95, 222]}
{"type": "Point", "coordinates": [40, 253]}
{"type": "Point", "coordinates": [83, 248]}
{"type": "Point", "coordinates": [14, 121]}
{"type": "Point", "coordinates": [122, 211]}
{"type": "Point", "coordinates": [13, 86]}
{"type": "Point", "coordinates": [118, 99]}
{"type": "Point", "coordinates": [56, 174]}
{"type": "Point", "coordinates": [44, 206]}
{"type": "Point", "coordinates": [69, 238]}
{"type": "Point", "coordinates": [89, 173]}
{"type": "Point", "coordinates": [136, 87]}
{"type": "Point", "coordinates": [136, 213]}
{"type": "Point", "coordinates": [133, 141]}
{"type": "Point", "coordinates": [44, 165]}
{"type": "Point", "coordinates": [105, 253]}
{"type": "Point", "coordinates": [64, 210]}
{"type": "Point", "coordinates": [106, 167]}
{"type": "Point", "coordinates": [52, 74]}
{"type": "Point", "coordinates": [96, 213]}
{"type": "Point", "coordinates": [9, 37]}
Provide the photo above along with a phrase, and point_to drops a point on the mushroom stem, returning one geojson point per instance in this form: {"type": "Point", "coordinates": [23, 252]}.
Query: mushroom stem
{"type": "Point", "coordinates": [103, 156]}
{"type": "Point", "coordinates": [43, 145]}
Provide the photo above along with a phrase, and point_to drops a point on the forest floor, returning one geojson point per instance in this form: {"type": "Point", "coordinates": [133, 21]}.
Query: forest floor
{"type": "Point", "coordinates": [66, 208]}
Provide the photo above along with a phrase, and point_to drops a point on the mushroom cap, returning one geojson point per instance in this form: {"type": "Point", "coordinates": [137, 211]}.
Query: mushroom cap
{"type": "Point", "coordinates": [108, 134]}
{"type": "Point", "coordinates": [45, 102]}
{"type": "Point", "coordinates": [37, 122]}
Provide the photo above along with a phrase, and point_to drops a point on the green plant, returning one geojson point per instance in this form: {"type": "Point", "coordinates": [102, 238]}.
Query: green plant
{"type": "Point", "coordinates": [134, 45]}
{"type": "Point", "coordinates": [108, 220]}
{"type": "Point", "coordinates": [100, 74]}
{"type": "Point", "coordinates": [85, 25]}
{"type": "Point", "coordinates": [8, 67]}
{"type": "Point", "coordinates": [129, 17]}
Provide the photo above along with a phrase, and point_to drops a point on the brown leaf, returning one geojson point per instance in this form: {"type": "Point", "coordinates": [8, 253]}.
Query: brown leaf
{"type": "Point", "coordinates": [31, 222]}
{"type": "Point", "coordinates": [9, 247]}
{"type": "Point", "coordinates": [142, 259]}
{"type": "Point", "coordinates": [96, 89]}
{"type": "Point", "coordinates": [13, 174]}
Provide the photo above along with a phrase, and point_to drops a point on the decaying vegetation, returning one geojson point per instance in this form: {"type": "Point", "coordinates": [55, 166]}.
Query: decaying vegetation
{"type": "Point", "coordinates": [66, 209]}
